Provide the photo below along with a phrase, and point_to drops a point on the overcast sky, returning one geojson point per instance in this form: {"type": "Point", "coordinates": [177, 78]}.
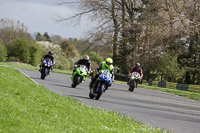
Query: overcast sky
{"type": "Point", "coordinates": [40, 16]}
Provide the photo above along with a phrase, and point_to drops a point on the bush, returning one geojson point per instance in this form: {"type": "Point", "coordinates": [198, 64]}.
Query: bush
{"type": "Point", "coordinates": [96, 57]}
{"type": "Point", "coordinates": [19, 48]}
{"type": "Point", "coordinates": [15, 59]}
{"type": "Point", "coordinates": [25, 51]}
{"type": "Point", "coordinates": [3, 53]}
{"type": "Point", "coordinates": [35, 54]}
{"type": "Point", "coordinates": [69, 49]}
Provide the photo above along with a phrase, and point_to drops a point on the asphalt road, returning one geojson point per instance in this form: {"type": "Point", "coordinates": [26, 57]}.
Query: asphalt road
{"type": "Point", "coordinates": [155, 108]}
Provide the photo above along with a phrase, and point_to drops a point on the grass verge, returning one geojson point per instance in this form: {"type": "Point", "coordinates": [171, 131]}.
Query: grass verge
{"type": "Point", "coordinates": [27, 107]}
{"type": "Point", "coordinates": [27, 66]}
{"type": "Point", "coordinates": [187, 94]}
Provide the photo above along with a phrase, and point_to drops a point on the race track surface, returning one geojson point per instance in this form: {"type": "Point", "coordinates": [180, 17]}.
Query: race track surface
{"type": "Point", "coordinates": [155, 108]}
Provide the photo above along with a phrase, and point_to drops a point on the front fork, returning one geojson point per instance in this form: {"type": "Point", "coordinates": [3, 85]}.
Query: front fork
{"type": "Point", "coordinates": [101, 85]}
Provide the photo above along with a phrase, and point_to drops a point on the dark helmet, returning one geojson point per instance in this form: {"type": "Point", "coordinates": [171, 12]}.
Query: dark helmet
{"type": "Point", "coordinates": [86, 57]}
{"type": "Point", "coordinates": [50, 52]}
{"type": "Point", "coordinates": [137, 65]}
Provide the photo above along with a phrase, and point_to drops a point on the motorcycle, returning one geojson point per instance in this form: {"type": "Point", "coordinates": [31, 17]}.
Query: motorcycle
{"type": "Point", "coordinates": [79, 75]}
{"type": "Point", "coordinates": [46, 66]}
{"type": "Point", "coordinates": [99, 86]}
{"type": "Point", "coordinates": [134, 77]}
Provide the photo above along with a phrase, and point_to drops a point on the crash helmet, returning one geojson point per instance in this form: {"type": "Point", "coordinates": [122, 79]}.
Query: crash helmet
{"type": "Point", "coordinates": [109, 62]}
{"type": "Point", "coordinates": [137, 65]}
{"type": "Point", "coordinates": [50, 52]}
{"type": "Point", "coordinates": [86, 57]}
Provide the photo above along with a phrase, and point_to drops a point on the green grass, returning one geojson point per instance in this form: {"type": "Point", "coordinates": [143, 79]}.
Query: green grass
{"type": "Point", "coordinates": [27, 107]}
{"type": "Point", "coordinates": [27, 66]}
{"type": "Point", "coordinates": [187, 94]}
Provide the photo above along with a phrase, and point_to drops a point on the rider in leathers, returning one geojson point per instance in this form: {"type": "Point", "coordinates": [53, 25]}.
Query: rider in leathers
{"type": "Point", "coordinates": [138, 69]}
{"type": "Point", "coordinates": [106, 65]}
{"type": "Point", "coordinates": [49, 55]}
{"type": "Point", "coordinates": [84, 61]}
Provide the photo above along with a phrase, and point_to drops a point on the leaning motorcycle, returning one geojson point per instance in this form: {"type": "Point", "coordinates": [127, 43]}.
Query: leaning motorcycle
{"type": "Point", "coordinates": [99, 86]}
{"type": "Point", "coordinates": [45, 67]}
{"type": "Point", "coordinates": [79, 75]}
{"type": "Point", "coordinates": [134, 78]}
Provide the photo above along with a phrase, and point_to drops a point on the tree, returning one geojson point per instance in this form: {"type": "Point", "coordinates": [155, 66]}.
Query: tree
{"type": "Point", "coordinates": [19, 48]}
{"type": "Point", "coordinates": [3, 53]}
{"type": "Point", "coordinates": [10, 30]}
{"type": "Point", "coordinates": [57, 39]}
{"type": "Point", "coordinates": [39, 37]}
{"type": "Point", "coordinates": [35, 53]}
{"type": "Point", "coordinates": [47, 37]}
{"type": "Point", "coordinates": [69, 49]}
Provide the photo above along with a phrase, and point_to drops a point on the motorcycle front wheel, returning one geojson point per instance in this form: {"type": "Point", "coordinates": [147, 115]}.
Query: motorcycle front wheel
{"type": "Point", "coordinates": [132, 85]}
{"type": "Point", "coordinates": [99, 91]}
{"type": "Point", "coordinates": [43, 73]}
{"type": "Point", "coordinates": [76, 81]}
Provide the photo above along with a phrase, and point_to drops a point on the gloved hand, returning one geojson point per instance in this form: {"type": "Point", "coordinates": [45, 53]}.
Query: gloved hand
{"type": "Point", "coordinates": [75, 66]}
{"type": "Point", "coordinates": [98, 73]}
{"type": "Point", "coordinates": [129, 75]}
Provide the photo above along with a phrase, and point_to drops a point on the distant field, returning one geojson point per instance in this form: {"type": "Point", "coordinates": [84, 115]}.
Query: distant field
{"type": "Point", "coordinates": [28, 107]}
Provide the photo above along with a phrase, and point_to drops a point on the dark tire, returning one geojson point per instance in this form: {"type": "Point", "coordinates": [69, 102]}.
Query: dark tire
{"type": "Point", "coordinates": [91, 95]}
{"type": "Point", "coordinates": [132, 85]}
{"type": "Point", "coordinates": [75, 81]}
{"type": "Point", "coordinates": [99, 93]}
{"type": "Point", "coordinates": [46, 71]}
{"type": "Point", "coordinates": [43, 73]}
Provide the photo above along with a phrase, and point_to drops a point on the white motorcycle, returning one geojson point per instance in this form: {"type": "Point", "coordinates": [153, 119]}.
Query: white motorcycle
{"type": "Point", "coordinates": [134, 77]}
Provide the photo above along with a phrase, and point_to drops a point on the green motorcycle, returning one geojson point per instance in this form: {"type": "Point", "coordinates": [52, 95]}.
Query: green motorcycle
{"type": "Point", "coordinates": [79, 75]}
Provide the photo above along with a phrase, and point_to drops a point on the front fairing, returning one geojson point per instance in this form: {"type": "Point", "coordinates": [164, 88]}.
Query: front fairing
{"type": "Point", "coordinates": [135, 76]}
{"type": "Point", "coordinates": [105, 76]}
{"type": "Point", "coordinates": [47, 63]}
{"type": "Point", "coordinates": [82, 71]}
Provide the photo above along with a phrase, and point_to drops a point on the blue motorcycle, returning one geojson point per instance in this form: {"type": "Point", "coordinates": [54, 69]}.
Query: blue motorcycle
{"type": "Point", "coordinates": [46, 66]}
{"type": "Point", "coordinates": [100, 85]}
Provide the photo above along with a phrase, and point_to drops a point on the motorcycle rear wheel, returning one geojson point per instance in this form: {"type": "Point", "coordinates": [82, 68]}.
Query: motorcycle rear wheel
{"type": "Point", "coordinates": [91, 95]}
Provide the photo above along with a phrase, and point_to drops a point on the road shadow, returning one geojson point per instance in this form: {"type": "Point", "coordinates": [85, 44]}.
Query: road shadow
{"type": "Point", "coordinates": [80, 97]}
{"type": "Point", "coordinates": [61, 85]}
{"type": "Point", "coordinates": [36, 78]}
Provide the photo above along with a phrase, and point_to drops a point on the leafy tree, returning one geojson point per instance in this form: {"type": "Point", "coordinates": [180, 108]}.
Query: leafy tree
{"type": "Point", "coordinates": [47, 37]}
{"type": "Point", "coordinates": [57, 39]}
{"type": "Point", "coordinates": [39, 37]}
{"type": "Point", "coordinates": [169, 67]}
{"type": "Point", "coordinates": [69, 49]}
{"type": "Point", "coordinates": [3, 53]}
{"type": "Point", "coordinates": [35, 53]}
{"type": "Point", "coordinates": [19, 48]}
{"type": "Point", "coordinates": [95, 57]}
{"type": "Point", "coordinates": [10, 30]}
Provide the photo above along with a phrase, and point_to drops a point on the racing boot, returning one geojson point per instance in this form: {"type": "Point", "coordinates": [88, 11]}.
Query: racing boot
{"type": "Point", "coordinates": [90, 86]}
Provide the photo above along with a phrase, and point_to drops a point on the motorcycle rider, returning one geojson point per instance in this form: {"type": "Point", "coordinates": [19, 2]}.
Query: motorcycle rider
{"type": "Point", "coordinates": [85, 61]}
{"type": "Point", "coordinates": [105, 65]}
{"type": "Point", "coordinates": [136, 68]}
{"type": "Point", "coordinates": [48, 55]}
